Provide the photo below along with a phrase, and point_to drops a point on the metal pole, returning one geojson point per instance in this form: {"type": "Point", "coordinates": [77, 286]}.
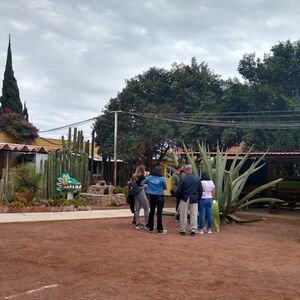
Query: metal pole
{"type": "Point", "coordinates": [92, 156]}
{"type": "Point", "coordinates": [115, 147]}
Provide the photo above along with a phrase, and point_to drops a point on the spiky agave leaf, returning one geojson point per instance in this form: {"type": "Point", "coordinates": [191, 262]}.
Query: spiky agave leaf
{"type": "Point", "coordinates": [207, 163]}
{"type": "Point", "coordinates": [255, 192]}
{"type": "Point", "coordinates": [237, 168]}
{"type": "Point", "coordinates": [243, 220]}
{"type": "Point", "coordinates": [216, 214]}
{"type": "Point", "coordinates": [221, 159]}
{"type": "Point", "coordinates": [175, 158]}
{"type": "Point", "coordinates": [260, 200]}
{"type": "Point", "coordinates": [191, 160]}
{"type": "Point", "coordinates": [227, 203]}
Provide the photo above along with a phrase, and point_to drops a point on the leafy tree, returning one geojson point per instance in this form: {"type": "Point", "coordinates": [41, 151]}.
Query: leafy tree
{"type": "Point", "coordinates": [273, 85]}
{"type": "Point", "coordinates": [139, 138]}
{"type": "Point", "coordinates": [175, 94]}
{"type": "Point", "coordinates": [10, 98]}
{"type": "Point", "coordinates": [196, 90]}
{"type": "Point", "coordinates": [193, 94]}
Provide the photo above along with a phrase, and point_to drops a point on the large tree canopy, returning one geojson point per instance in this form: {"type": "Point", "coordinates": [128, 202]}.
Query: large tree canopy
{"type": "Point", "coordinates": [189, 103]}
{"type": "Point", "coordinates": [183, 90]}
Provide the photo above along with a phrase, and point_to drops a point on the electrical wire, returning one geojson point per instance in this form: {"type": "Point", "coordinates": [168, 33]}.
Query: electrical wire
{"type": "Point", "coordinates": [70, 125]}
{"type": "Point", "coordinates": [215, 119]}
{"type": "Point", "coordinates": [230, 124]}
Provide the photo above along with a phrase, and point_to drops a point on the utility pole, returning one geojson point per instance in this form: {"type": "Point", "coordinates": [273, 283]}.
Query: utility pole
{"type": "Point", "coordinates": [92, 154]}
{"type": "Point", "coordinates": [115, 146]}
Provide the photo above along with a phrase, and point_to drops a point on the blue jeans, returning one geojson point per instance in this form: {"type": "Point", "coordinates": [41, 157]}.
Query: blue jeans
{"type": "Point", "coordinates": [204, 209]}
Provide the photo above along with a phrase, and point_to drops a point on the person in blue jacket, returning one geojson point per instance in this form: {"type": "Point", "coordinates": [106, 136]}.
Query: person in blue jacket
{"type": "Point", "coordinates": [155, 185]}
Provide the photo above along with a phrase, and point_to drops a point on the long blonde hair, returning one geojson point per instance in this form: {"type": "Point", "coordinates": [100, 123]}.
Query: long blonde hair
{"type": "Point", "coordinates": [139, 171]}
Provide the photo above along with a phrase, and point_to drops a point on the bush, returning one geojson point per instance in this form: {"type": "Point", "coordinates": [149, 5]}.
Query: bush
{"type": "Point", "coordinates": [55, 202]}
{"type": "Point", "coordinates": [73, 202]}
{"type": "Point", "coordinates": [122, 190]}
{"type": "Point", "coordinates": [16, 126]}
{"type": "Point", "coordinates": [16, 204]}
{"type": "Point", "coordinates": [26, 179]}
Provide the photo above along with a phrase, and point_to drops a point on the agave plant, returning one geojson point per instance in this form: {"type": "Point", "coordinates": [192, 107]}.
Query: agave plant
{"type": "Point", "coordinates": [229, 183]}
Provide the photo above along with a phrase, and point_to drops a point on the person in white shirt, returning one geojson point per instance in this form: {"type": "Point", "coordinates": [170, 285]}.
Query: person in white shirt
{"type": "Point", "coordinates": [205, 203]}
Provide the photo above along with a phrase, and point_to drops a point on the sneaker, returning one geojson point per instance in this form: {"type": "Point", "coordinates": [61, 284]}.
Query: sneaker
{"type": "Point", "coordinates": [201, 231]}
{"type": "Point", "coordinates": [181, 232]}
{"type": "Point", "coordinates": [209, 231]}
{"type": "Point", "coordinates": [162, 231]}
{"type": "Point", "coordinates": [139, 226]}
{"type": "Point", "coordinates": [149, 230]}
{"type": "Point", "coordinates": [193, 233]}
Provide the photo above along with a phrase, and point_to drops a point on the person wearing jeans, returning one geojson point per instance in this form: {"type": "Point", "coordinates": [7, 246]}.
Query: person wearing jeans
{"type": "Point", "coordinates": [205, 203]}
{"type": "Point", "coordinates": [140, 200]}
{"type": "Point", "coordinates": [156, 184]}
{"type": "Point", "coordinates": [189, 191]}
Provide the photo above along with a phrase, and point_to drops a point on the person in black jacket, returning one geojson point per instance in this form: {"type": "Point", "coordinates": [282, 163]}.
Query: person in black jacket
{"type": "Point", "coordinates": [189, 191]}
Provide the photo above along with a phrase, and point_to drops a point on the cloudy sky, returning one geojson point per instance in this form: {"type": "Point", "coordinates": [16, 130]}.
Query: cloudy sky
{"type": "Point", "coordinates": [70, 57]}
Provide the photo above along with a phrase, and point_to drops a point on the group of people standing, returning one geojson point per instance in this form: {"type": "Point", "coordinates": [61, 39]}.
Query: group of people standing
{"type": "Point", "coordinates": [152, 184]}
{"type": "Point", "coordinates": [194, 195]}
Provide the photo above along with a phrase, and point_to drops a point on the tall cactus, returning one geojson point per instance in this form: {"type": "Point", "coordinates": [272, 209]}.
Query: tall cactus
{"type": "Point", "coordinates": [72, 159]}
{"type": "Point", "coordinates": [6, 187]}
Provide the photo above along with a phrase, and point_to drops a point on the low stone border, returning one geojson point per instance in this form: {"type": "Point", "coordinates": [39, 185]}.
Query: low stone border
{"type": "Point", "coordinates": [103, 200]}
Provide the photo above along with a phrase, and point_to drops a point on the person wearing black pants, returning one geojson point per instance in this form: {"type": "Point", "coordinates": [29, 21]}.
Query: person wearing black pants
{"type": "Point", "coordinates": [155, 185]}
{"type": "Point", "coordinates": [156, 201]}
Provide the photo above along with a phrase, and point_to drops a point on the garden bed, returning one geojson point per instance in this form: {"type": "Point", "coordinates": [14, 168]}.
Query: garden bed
{"type": "Point", "coordinates": [7, 209]}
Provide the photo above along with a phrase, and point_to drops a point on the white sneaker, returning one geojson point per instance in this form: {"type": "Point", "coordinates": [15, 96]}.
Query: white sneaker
{"type": "Point", "coordinates": [201, 231]}
{"type": "Point", "coordinates": [209, 231]}
{"type": "Point", "coordinates": [162, 231]}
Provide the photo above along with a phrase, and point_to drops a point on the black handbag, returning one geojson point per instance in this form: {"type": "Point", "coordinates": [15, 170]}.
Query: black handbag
{"type": "Point", "coordinates": [133, 188]}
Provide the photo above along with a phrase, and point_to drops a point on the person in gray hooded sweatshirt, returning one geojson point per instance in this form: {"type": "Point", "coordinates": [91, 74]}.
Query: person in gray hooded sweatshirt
{"type": "Point", "coordinates": [189, 191]}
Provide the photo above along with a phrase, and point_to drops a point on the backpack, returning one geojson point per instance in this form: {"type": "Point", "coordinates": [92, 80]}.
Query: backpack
{"type": "Point", "coordinates": [133, 188]}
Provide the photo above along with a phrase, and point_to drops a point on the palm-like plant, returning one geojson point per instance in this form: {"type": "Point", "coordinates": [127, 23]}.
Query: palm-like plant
{"type": "Point", "coordinates": [229, 183]}
{"type": "Point", "coordinates": [26, 180]}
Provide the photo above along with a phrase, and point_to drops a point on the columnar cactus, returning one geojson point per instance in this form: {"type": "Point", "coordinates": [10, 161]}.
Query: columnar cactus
{"type": "Point", "coordinates": [72, 159]}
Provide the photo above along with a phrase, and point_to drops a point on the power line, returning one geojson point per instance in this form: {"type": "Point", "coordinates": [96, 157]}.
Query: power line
{"type": "Point", "coordinates": [214, 119]}
{"type": "Point", "coordinates": [230, 124]}
{"type": "Point", "coordinates": [70, 125]}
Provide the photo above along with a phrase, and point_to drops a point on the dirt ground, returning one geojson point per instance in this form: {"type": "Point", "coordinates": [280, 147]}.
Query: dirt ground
{"type": "Point", "coordinates": [109, 259]}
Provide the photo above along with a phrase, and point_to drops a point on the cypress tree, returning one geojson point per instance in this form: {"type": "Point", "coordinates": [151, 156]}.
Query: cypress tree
{"type": "Point", "coordinates": [10, 92]}
{"type": "Point", "coordinates": [25, 112]}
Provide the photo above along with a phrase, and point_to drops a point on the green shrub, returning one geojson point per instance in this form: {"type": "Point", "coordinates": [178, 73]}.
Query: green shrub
{"type": "Point", "coordinates": [55, 202]}
{"type": "Point", "coordinates": [16, 204]}
{"type": "Point", "coordinates": [122, 190]}
{"type": "Point", "coordinates": [73, 202]}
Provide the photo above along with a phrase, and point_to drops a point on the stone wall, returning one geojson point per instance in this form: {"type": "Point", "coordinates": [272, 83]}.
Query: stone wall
{"type": "Point", "coordinates": [103, 200]}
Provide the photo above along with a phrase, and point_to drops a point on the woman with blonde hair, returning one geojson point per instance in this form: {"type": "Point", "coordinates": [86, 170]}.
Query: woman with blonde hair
{"type": "Point", "coordinates": [140, 200]}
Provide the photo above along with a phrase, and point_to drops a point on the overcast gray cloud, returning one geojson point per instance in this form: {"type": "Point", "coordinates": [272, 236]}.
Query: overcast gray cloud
{"type": "Point", "coordinates": [71, 56]}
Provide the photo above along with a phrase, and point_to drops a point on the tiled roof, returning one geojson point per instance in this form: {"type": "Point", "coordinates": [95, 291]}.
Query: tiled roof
{"type": "Point", "coordinates": [26, 148]}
